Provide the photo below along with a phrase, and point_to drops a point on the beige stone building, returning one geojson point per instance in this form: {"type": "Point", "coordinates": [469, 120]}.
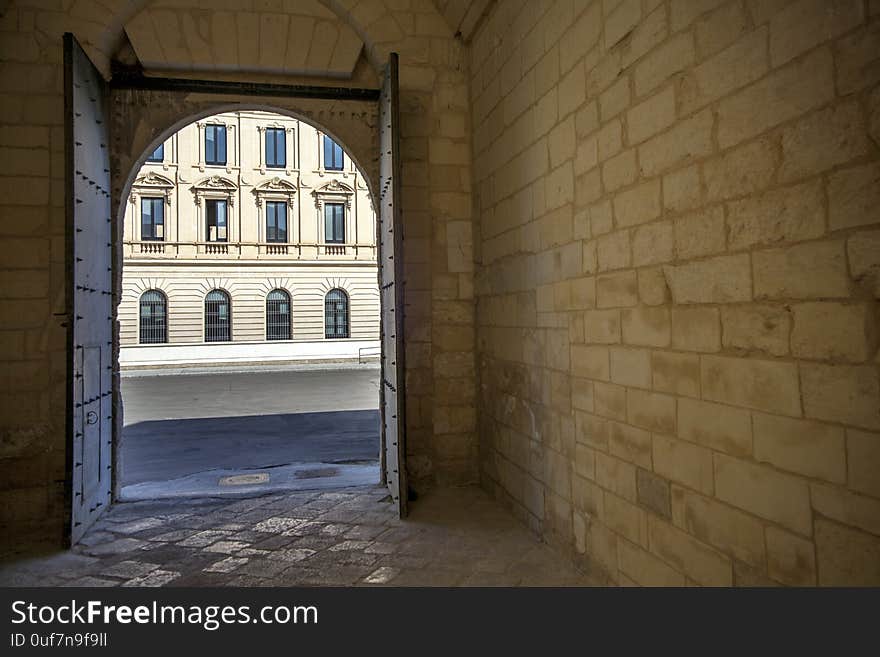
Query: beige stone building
{"type": "Point", "coordinates": [248, 236]}
{"type": "Point", "coordinates": [642, 255]}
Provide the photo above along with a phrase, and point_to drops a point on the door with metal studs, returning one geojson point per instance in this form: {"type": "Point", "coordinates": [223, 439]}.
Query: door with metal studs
{"type": "Point", "coordinates": [90, 293]}
{"type": "Point", "coordinates": [391, 291]}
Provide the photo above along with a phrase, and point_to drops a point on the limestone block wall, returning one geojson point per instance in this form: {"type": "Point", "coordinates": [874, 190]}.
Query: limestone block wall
{"type": "Point", "coordinates": [678, 268]}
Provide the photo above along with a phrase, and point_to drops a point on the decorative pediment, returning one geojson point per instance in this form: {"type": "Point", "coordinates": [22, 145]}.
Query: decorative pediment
{"type": "Point", "coordinates": [333, 192]}
{"type": "Point", "coordinates": [334, 187]}
{"type": "Point", "coordinates": [153, 180]}
{"type": "Point", "coordinates": [218, 183]}
{"type": "Point", "coordinates": [214, 187]}
{"type": "Point", "coordinates": [276, 188]}
{"type": "Point", "coordinates": [151, 184]}
{"type": "Point", "coordinates": [276, 185]}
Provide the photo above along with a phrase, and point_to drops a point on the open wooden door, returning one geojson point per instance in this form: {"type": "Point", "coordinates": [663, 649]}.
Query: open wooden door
{"type": "Point", "coordinates": [390, 228]}
{"type": "Point", "coordinates": [90, 289]}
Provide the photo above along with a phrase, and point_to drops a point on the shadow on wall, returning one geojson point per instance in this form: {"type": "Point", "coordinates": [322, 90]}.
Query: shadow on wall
{"type": "Point", "coordinates": [160, 450]}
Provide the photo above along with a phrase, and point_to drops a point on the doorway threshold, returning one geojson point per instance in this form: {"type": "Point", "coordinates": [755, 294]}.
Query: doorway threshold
{"type": "Point", "coordinates": [256, 481]}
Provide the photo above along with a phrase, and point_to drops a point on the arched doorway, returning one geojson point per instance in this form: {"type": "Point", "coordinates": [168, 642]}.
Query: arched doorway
{"type": "Point", "coordinates": [100, 177]}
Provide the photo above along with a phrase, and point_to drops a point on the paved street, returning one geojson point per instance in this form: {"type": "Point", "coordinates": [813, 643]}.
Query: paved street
{"type": "Point", "coordinates": [178, 426]}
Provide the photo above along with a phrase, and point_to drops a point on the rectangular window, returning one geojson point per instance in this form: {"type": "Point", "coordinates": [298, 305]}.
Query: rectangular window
{"type": "Point", "coordinates": [334, 222]}
{"type": "Point", "coordinates": [215, 144]}
{"type": "Point", "coordinates": [276, 221]}
{"type": "Point", "coordinates": [215, 211]}
{"type": "Point", "coordinates": [276, 153]}
{"type": "Point", "coordinates": [333, 159]}
{"type": "Point", "coordinates": [157, 155]}
{"type": "Point", "coordinates": [152, 219]}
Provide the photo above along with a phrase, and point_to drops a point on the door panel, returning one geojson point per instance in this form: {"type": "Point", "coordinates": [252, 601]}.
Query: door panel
{"type": "Point", "coordinates": [90, 296]}
{"type": "Point", "coordinates": [393, 394]}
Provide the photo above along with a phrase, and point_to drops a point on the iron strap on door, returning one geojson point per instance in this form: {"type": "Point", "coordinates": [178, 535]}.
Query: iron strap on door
{"type": "Point", "coordinates": [391, 289]}
{"type": "Point", "coordinates": [90, 293]}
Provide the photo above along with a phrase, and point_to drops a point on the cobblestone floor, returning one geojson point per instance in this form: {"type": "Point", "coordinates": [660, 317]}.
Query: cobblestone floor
{"type": "Point", "coordinates": [349, 537]}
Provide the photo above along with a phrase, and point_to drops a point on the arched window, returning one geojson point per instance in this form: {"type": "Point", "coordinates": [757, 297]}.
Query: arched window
{"type": "Point", "coordinates": [278, 315]}
{"type": "Point", "coordinates": [153, 318]}
{"type": "Point", "coordinates": [336, 314]}
{"type": "Point", "coordinates": [218, 317]}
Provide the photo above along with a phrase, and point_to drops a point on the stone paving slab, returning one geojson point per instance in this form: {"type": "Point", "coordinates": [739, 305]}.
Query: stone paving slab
{"type": "Point", "coordinates": [349, 537]}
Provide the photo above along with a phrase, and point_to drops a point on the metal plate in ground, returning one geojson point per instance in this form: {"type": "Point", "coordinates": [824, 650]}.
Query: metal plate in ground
{"type": "Point", "coordinates": [245, 479]}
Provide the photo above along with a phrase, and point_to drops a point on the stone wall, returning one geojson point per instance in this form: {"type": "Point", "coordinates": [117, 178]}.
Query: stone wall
{"type": "Point", "coordinates": [437, 213]}
{"type": "Point", "coordinates": [678, 267]}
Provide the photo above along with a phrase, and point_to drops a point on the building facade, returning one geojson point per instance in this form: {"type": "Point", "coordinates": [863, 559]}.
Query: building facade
{"type": "Point", "coordinates": [249, 236]}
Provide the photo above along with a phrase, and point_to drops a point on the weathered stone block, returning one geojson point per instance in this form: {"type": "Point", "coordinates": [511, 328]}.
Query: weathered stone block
{"type": "Point", "coordinates": [723, 428]}
{"type": "Point", "coordinates": [646, 326]}
{"type": "Point", "coordinates": [616, 475]}
{"type": "Point", "coordinates": [687, 555]}
{"type": "Point", "coordinates": [832, 331]}
{"type": "Point", "coordinates": [790, 214]}
{"type": "Point", "coordinates": [722, 279]}
{"type": "Point", "coordinates": [760, 384]}
{"type": "Point", "coordinates": [638, 205]}
{"type": "Point", "coordinates": [687, 140]}
{"type": "Point", "coordinates": [630, 444]}
{"type": "Point", "coordinates": [700, 233]}
{"type": "Point", "coordinates": [617, 290]}
{"type": "Point", "coordinates": [613, 250]}
{"type": "Point", "coordinates": [863, 449]}
{"type": "Point", "coordinates": [807, 23]}
{"type": "Point", "coordinates": [652, 244]}
{"type": "Point", "coordinates": [683, 462]}
{"type": "Point", "coordinates": [763, 491]}
{"type": "Point", "coordinates": [676, 373]}
{"type": "Point", "coordinates": [756, 328]}
{"type": "Point", "coordinates": [651, 116]}
{"type": "Point", "coordinates": [780, 96]}
{"type": "Point", "coordinates": [646, 569]}
{"type": "Point", "coordinates": [804, 447]}
{"type": "Point", "coordinates": [630, 367]}
{"type": "Point", "coordinates": [590, 362]}
{"type": "Point", "coordinates": [602, 326]}
{"type": "Point", "coordinates": [682, 189]}
{"type": "Point", "coordinates": [849, 508]}
{"type": "Point", "coordinates": [609, 401]}
{"type": "Point", "coordinates": [802, 271]}
{"type": "Point", "coordinates": [651, 410]}
{"type": "Point", "coordinates": [696, 329]}
{"type": "Point", "coordinates": [731, 531]}
{"type": "Point", "coordinates": [854, 197]}
{"type": "Point", "coordinates": [841, 393]}
{"type": "Point", "coordinates": [846, 557]}
{"type": "Point", "coordinates": [626, 519]}
{"type": "Point", "coordinates": [823, 140]}
{"type": "Point", "coordinates": [653, 493]}
{"type": "Point", "coordinates": [790, 559]}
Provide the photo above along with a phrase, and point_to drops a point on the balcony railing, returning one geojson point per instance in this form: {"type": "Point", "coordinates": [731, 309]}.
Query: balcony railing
{"type": "Point", "coordinates": [248, 250]}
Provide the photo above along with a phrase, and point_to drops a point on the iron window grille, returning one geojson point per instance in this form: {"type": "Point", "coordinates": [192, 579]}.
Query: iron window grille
{"type": "Point", "coordinates": [336, 314]}
{"type": "Point", "coordinates": [276, 151]}
{"type": "Point", "coordinates": [334, 223]}
{"type": "Point", "coordinates": [157, 155]}
{"type": "Point", "coordinates": [216, 220]}
{"type": "Point", "coordinates": [153, 318]}
{"type": "Point", "coordinates": [276, 221]}
{"type": "Point", "coordinates": [278, 315]}
{"type": "Point", "coordinates": [215, 144]}
{"type": "Point", "coordinates": [152, 219]}
{"type": "Point", "coordinates": [218, 317]}
{"type": "Point", "coordinates": [333, 157]}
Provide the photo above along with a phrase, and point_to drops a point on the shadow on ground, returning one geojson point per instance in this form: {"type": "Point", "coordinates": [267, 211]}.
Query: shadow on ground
{"type": "Point", "coordinates": [159, 450]}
